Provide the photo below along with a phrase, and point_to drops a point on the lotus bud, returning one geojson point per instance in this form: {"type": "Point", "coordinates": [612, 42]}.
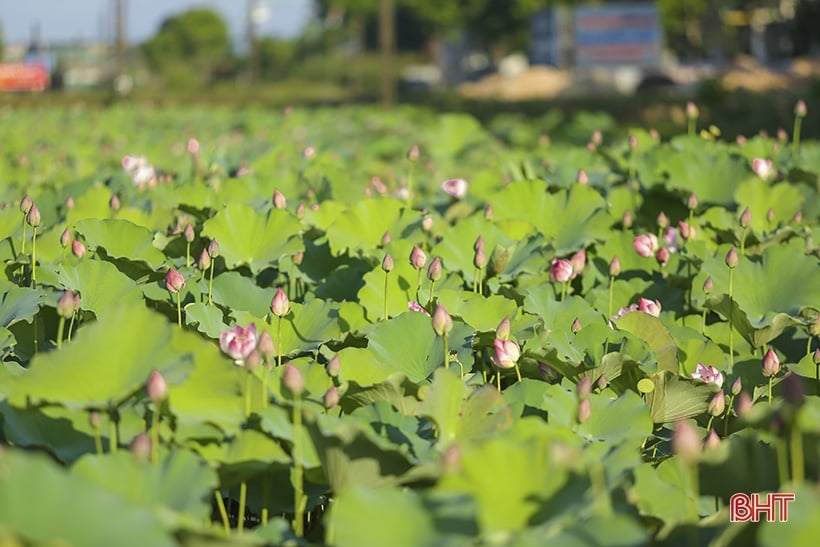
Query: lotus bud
{"type": "Point", "coordinates": [300, 210]}
{"type": "Point", "coordinates": [686, 231]}
{"type": "Point", "coordinates": [434, 270]}
{"type": "Point", "coordinates": [633, 142]}
{"type": "Point", "coordinates": [798, 217]}
{"type": "Point", "coordinates": [737, 386]}
{"type": "Point", "coordinates": [188, 233]}
{"type": "Point", "coordinates": [141, 447]}
{"type": "Point", "coordinates": [25, 204]}
{"type": "Point", "coordinates": [770, 215]}
{"type": "Point", "coordinates": [331, 397]}
{"type": "Point", "coordinates": [506, 354]}
{"type": "Point", "coordinates": [385, 239]}
{"type": "Point", "coordinates": [204, 261]}
{"type": "Point", "coordinates": [614, 267]}
{"type": "Point", "coordinates": [213, 249]}
{"type": "Point", "coordinates": [578, 261]}
{"type": "Point", "coordinates": [582, 178]}
{"type": "Point", "coordinates": [193, 146]}
{"type": "Point", "coordinates": [800, 109]}
{"type": "Point", "coordinates": [480, 259]}
{"type": "Point", "coordinates": [732, 258]}
{"type": "Point", "coordinates": [663, 220]}
{"type": "Point", "coordinates": [626, 220]}
{"type": "Point", "coordinates": [645, 245]}
{"type": "Point", "coordinates": [488, 212]}
{"type": "Point", "coordinates": [33, 216]}
{"type": "Point", "coordinates": [576, 326]}
{"type": "Point", "coordinates": [298, 258]}
{"type": "Point", "coordinates": [69, 203]}
{"type": "Point", "coordinates": [451, 459]}
{"type": "Point", "coordinates": [293, 380]}
{"type": "Point", "coordinates": [745, 218]}
{"type": "Point", "coordinates": [334, 366]}
{"type": "Point", "coordinates": [413, 153]}
{"type": "Point", "coordinates": [65, 238]}
{"type": "Point", "coordinates": [708, 285]}
{"type": "Point", "coordinates": [692, 111]}
{"type": "Point", "coordinates": [417, 257]}
{"type": "Point", "coordinates": [253, 360]}
{"type": "Point", "coordinates": [387, 263]}
{"type": "Point", "coordinates": [442, 322]}
{"type": "Point", "coordinates": [648, 306]}
{"type": "Point", "coordinates": [744, 404]}
{"type": "Point", "coordinates": [602, 382]}
{"type": "Point", "coordinates": [692, 202]}
{"type": "Point", "coordinates": [502, 331]}
{"type": "Point", "coordinates": [280, 304]}
{"type": "Point", "coordinates": [114, 202]}
{"type": "Point", "coordinates": [686, 441]}
{"type": "Point", "coordinates": [561, 271]}
{"type": "Point", "coordinates": [771, 363]}
{"type": "Point", "coordinates": [309, 152]}
{"type": "Point", "coordinates": [174, 281]}
{"type": "Point", "coordinates": [718, 404]}
{"type": "Point", "coordinates": [266, 347]}
{"type": "Point", "coordinates": [584, 411]}
{"type": "Point", "coordinates": [156, 387]}
{"type": "Point", "coordinates": [427, 223]}
{"type": "Point", "coordinates": [65, 305]}
{"type": "Point", "coordinates": [763, 168]}
{"type": "Point", "coordinates": [584, 387]}
{"type": "Point", "coordinates": [279, 200]}
{"type": "Point", "coordinates": [712, 440]}
{"type": "Point", "coordinates": [662, 256]}
{"type": "Point", "coordinates": [94, 419]}
{"type": "Point", "coordinates": [793, 390]}
{"type": "Point", "coordinates": [740, 140]}
{"type": "Point", "coordinates": [597, 137]}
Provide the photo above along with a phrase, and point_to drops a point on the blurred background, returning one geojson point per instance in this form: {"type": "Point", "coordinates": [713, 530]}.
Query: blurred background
{"type": "Point", "coordinates": [481, 56]}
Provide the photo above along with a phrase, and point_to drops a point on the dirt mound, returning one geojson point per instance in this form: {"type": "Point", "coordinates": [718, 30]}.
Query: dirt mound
{"type": "Point", "coordinates": [750, 75]}
{"type": "Point", "coordinates": [536, 82]}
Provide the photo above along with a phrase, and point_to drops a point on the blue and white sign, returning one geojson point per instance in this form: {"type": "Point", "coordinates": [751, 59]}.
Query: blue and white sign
{"type": "Point", "coordinates": [625, 34]}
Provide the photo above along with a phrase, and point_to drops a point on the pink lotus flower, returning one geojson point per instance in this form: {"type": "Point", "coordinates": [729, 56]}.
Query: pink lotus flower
{"type": "Point", "coordinates": [561, 270]}
{"type": "Point", "coordinates": [582, 178]}
{"type": "Point", "coordinates": [507, 353]}
{"type": "Point", "coordinates": [239, 342]}
{"type": "Point", "coordinates": [672, 239]}
{"type": "Point", "coordinates": [645, 245]}
{"type": "Point", "coordinates": [763, 168]}
{"type": "Point", "coordinates": [193, 146]}
{"type": "Point", "coordinates": [144, 176]}
{"type": "Point", "coordinates": [648, 306]}
{"type": "Point", "coordinates": [377, 183]}
{"type": "Point", "coordinates": [708, 374]}
{"type": "Point", "coordinates": [309, 152]}
{"type": "Point", "coordinates": [280, 304]}
{"type": "Point", "coordinates": [174, 281]}
{"type": "Point", "coordinates": [415, 306]}
{"type": "Point", "coordinates": [456, 188]}
{"type": "Point", "coordinates": [771, 363]}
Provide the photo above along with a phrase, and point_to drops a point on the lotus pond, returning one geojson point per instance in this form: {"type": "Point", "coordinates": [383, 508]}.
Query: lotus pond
{"type": "Point", "coordinates": [358, 328]}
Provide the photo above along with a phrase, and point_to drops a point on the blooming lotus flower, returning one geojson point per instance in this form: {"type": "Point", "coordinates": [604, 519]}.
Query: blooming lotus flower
{"type": "Point", "coordinates": [708, 374]}
{"type": "Point", "coordinates": [645, 245]}
{"type": "Point", "coordinates": [239, 342]}
{"type": "Point", "coordinates": [763, 168]}
{"type": "Point", "coordinates": [561, 270]}
{"type": "Point", "coordinates": [415, 306]}
{"type": "Point", "coordinates": [280, 304]}
{"type": "Point", "coordinates": [648, 306]}
{"type": "Point", "coordinates": [507, 353]}
{"type": "Point", "coordinates": [193, 146]}
{"type": "Point", "coordinates": [456, 188]}
{"type": "Point", "coordinates": [174, 281]}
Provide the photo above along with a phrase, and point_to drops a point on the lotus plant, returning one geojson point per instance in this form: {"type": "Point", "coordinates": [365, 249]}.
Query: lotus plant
{"type": "Point", "coordinates": [33, 220]}
{"type": "Point", "coordinates": [157, 389]}
{"type": "Point", "coordinates": [614, 271]}
{"type": "Point", "coordinates": [646, 245]}
{"type": "Point", "coordinates": [433, 274]}
{"type": "Point", "coordinates": [770, 366]}
{"type": "Point", "coordinates": [213, 252]}
{"type": "Point", "coordinates": [174, 282]}
{"type": "Point", "coordinates": [506, 356]}
{"type": "Point", "coordinates": [455, 188]}
{"type": "Point", "coordinates": [418, 260]}
{"type": "Point", "coordinates": [561, 272]}
{"type": "Point", "coordinates": [294, 382]}
{"type": "Point", "coordinates": [65, 309]}
{"type": "Point", "coordinates": [387, 267]}
{"type": "Point", "coordinates": [708, 374]}
{"type": "Point", "coordinates": [443, 325]}
{"type": "Point", "coordinates": [479, 262]}
{"type": "Point", "coordinates": [280, 307]}
{"type": "Point", "coordinates": [25, 206]}
{"type": "Point", "coordinates": [799, 113]}
{"type": "Point", "coordinates": [732, 262]}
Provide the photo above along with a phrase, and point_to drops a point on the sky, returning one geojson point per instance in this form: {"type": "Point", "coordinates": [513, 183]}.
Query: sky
{"type": "Point", "coordinates": [91, 20]}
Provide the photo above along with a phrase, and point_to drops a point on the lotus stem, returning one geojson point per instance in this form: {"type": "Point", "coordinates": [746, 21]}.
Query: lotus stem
{"type": "Point", "coordinates": [731, 327]}
{"type": "Point", "coordinates": [498, 381]}
{"type": "Point", "coordinates": [709, 423]}
{"type": "Point", "coordinates": [798, 121]}
{"type": "Point", "coordinates": [33, 256]}
{"type": "Point", "coordinates": [563, 290]}
{"type": "Point", "coordinates": [386, 275]}
{"type": "Point", "coordinates": [517, 371]}
{"type": "Point", "coordinates": [240, 518]}
{"type": "Point", "coordinates": [23, 239]}
{"type": "Point", "coordinates": [796, 449]}
{"type": "Point", "coordinates": [179, 309]}
{"type": "Point", "coordinates": [155, 437]}
{"type": "Point", "coordinates": [265, 385]}
{"type": "Point", "coordinates": [220, 503]}
{"type": "Point", "coordinates": [691, 127]}
{"type": "Point", "coordinates": [279, 342]}
{"type": "Point", "coordinates": [611, 293]}
{"type": "Point", "coordinates": [418, 286]}
{"type": "Point", "coordinates": [211, 284]}
{"type": "Point", "coordinates": [743, 242]}
{"type": "Point", "coordinates": [71, 325]}
{"type": "Point", "coordinates": [98, 449]}
{"type": "Point", "coordinates": [782, 464]}
{"type": "Point", "coordinates": [187, 254]}
{"type": "Point", "coordinates": [299, 500]}
{"type": "Point", "coordinates": [430, 300]}
{"type": "Point", "coordinates": [60, 329]}
{"type": "Point", "coordinates": [112, 433]}
{"type": "Point", "coordinates": [247, 390]}
{"type": "Point", "coordinates": [771, 378]}
{"type": "Point", "coordinates": [476, 280]}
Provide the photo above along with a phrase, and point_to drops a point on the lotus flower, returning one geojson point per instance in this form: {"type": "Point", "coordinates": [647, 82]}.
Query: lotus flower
{"type": "Point", "coordinates": [648, 306]}
{"type": "Point", "coordinates": [193, 146]}
{"type": "Point", "coordinates": [456, 188]}
{"type": "Point", "coordinates": [771, 363]}
{"type": "Point", "coordinates": [442, 322]}
{"type": "Point", "coordinates": [578, 261]}
{"type": "Point", "coordinates": [561, 271]}
{"type": "Point", "coordinates": [293, 380]}
{"type": "Point", "coordinates": [239, 342]}
{"type": "Point", "coordinates": [502, 331]}
{"type": "Point", "coordinates": [507, 353]}
{"type": "Point", "coordinates": [279, 200]}
{"type": "Point", "coordinates": [280, 304]}
{"type": "Point", "coordinates": [156, 386]}
{"type": "Point", "coordinates": [174, 281]}
{"type": "Point", "coordinates": [645, 245]}
{"type": "Point", "coordinates": [614, 267]}
{"type": "Point", "coordinates": [415, 306]}
{"type": "Point", "coordinates": [718, 404]}
{"type": "Point", "coordinates": [77, 248]}
{"type": "Point", "coordinates": [417, 257]}
{"type": "Point", "coordinates": [763, 168]}
{"type": "Point", "coordinates": [33, 216]}
{"type": "Point", "coordinates": [708, 374]}
{"type": "Point", "coordinates": [672, 239]}
{"type": "Point", "coordinates": [691, 110]}
{"type": "Point", "coordinates": [800, 109]}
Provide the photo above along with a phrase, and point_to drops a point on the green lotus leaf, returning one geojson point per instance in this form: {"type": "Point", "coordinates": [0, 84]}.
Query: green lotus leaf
{"type": "Point", "coordinates": [18, 303]}
{"type": "Point", "coordinates": [803, 524]}
{"type": "Point", "coordinates": [7, 342]}
{"type": "Point", "coordinates": [456, 245]}
{"type": "Point", "coordinates": [569, 219]}
{"type": "Point", "coordinates": [618, 530]}
{"type": "Point", "coordinates": [756, 337]}
{"type": "Point", "coordinates": [759, 196]}
{"type": "Point", "coordinates": [238, 292]}
{"type": "Point", "coordinates": [363, 367]}
{"type": "Point", "coordinates": [10, 226]}
{"type": "Point", "coordinates": [247, 454]}
{"type": "Point", "coordinates": [676, 399]}
{"type": "Point", "coordinates": [80, 376]}
{"type": "Point", "coordinates": [664, 492]}
{"type": "Point", "coordinates": [392, 390]}
{"type": "Point", "coordinates": [652, 330]}
{"type": "Point", "coordinates": [95, 515]}
{"type": "Point", "coordinates": [455, 134]}
{"type": "Point", "coordinates": [477, 311]}
{"type": "Point", "coordinates": [121, 239]}
{"type": "Point", "coordinates": [93, 204]}
{"type": "Point", "coordinates": [624, 419]}
{"type": "Point", "coordinates": [401, 284]}
{"type": "Point", "coordinates": [443, 402]}
{"type": "Point", "coordinates": [247, 238]}
{"type": "Point", "coordinates": [207, 319]}
{"type": "Point", "coordinates": [307, 327]}
{"type": "Point", "coordinates": [101, 285]}
{"type": "Point", "coordinates": [400, 429]}
{"type": "Point", "coordinates": [361, 226]}
{"type": "Point", "coordinates": [63, 432]}
{"type": "Point", "coordinates": [180, 484]}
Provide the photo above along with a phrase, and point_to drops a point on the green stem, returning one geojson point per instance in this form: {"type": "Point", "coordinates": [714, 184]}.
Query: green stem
{"type": "Point", "coordinates": [248, 375]}
{"type": "Point", "coordinates": [782, 464]}
{"type": "Point", "coordinates": [179, 309]}
{"type": "Point", "coordinates": [220, 503]}
{"type": "Point", "coordinates": [112, 435]}
{"type": "Point", "coordinates": [796, 449]}
{"type": "Point", "coordinates": [703, 323]}
{"type": "Point", "coordinates": [726, 416]}
{"type": "Point", "coordinates": [517, 372]}
{"type": "Point", "coordinates": [418, 286]}
{"type": "Point", "coordinates": [709, 423]}
{"type": "Point", "coordinates": [691, 128]}
{"type": "Point", "coordinates": [771, 378]}
{"type": "Point", "coordinates": [796, 135]}
{"type": "Point", "coordinates": [60, 329]}
{"type": "Point", "coordinates": [475, 280]}
{"type": "Point", "coordinates": [743, 242]}
{"type": "Point", "coordinates": [498, 381]}
{"type": "Point", "coordinates": [447, 353]}
{"type": "Point", "coordinates": [98, 449]}
{"type": "Point", "coordinates": [23, 241]}
{"type": "Point", "coordinates": [386, 274]}
{"type": "Point", "coordinates": [211, 283]}
{"type": "Point", "coordinates": [71, 325]}
{"type": "Point", "coordinates": [298, 487]}
{"type": "Point", "coordinates": [279, 342]}
{"type": "Point", "coordinates": [34, 256]}
{"type": "Point", "coordinates": [240, 518]}
{"type": "Point", "coordinates": [611, 293]}
{"type": "Point", "coordinates": [430, 300]}
{"type": "Point", "coordinates": [731, 328]}
{"type": "Point", "coordinates": [155, 437]}
{"type": "Point", "coordinates": [187, 254]}
{"type": "Point", "coordinates": [265, 385]}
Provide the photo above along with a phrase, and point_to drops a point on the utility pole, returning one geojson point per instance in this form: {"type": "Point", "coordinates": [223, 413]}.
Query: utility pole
{"type": "Point", "coordinates": [387, 43]}
{"type": "Point", "coordinates": [119, 45]}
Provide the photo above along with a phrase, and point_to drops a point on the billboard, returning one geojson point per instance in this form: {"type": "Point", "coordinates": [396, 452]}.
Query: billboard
{"type": "Point", "coordinates": [619, 34]}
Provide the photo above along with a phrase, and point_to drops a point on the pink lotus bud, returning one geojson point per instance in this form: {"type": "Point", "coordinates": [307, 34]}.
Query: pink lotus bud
{"type": "Point", "coordinates": [479, 244]}
{"type": "Point", "coordinates": [712, 440]}
{"type": "Point", "coordinates": [65, 238]}
{"type": "Point", "coordinates": [238, 342]}
{"type": "Point", "coordinates": [633, 142]}
{"type": "Point", "coordinates": [385, 239]}
{"type": "Point", "coordinates": [771, 363]}
{"type": "Point", "coordinates": [737, 386]}
{"type": "Point", "coordinates": [331, 397]}
{"type": "Point", "coordinates": [579, 262]}
{"type": "Point", "coordinates": [648, 306]}
{"type": "Point", "coordinates": [156, 387]}
{"type": "Point", "coordinates": [687, 231]}
{"type": "Point", "coordinates": [709, 375]}
{"type": "Point", "coordinates": [188, 233]}
{"type": "Point", "coordinates": [387, 263]}
{"type": "Point", "coordinates": [65, 305]}
{"type": "Point", "coordinates": [442, 322]}
{"type": "Point", "coordinates": [479, 258]}
{"type": "Point", "coordinates": [488, 212]}
{"type": "Point", "coordinates": [584, 411]}
{"type": "Point", "coordinates": [663, 220]}
{"type": "Point", "coordinates": [692, 202]}
{"type": "Point", "coordinates": [575, 326]}
{"type": "Point", "coordinates": [614, 267]}
{"type": "Point", "coordinates": [582, 178]}
{"type": "Point", "coordinates": [427, 223]}
{"type": "Point", "coordinates": [174, 281]}
{"type": "Point", "coordinates": [416, 307]}
{"type": "Point", "coordinates": [745, 218]}
{"type": "Point", "coordinates": [800, 109]}
{"type": "Point", "coordinates": [561, 270]}
{"type": "Point", "coordinates": [141, 447]}
{"type": "Point", "coordinates": [662, 256]}
{"type": "Point", "coordinates": [718, 404]}
{"type": "Point", "coordinates": [793, 391]}
{"type": "Point", "coordinates": [708, 285]}
{"type": "Point", "coordinates": [770, 215]}
{"type": "Point", "coordinates": [25, 204]}
{"type": "Point", "coordinates": [686, 441]}
{"type": "Point", "coordinates": [33, 216]}
{"type": "Point", "coordinates": [732, 258]}
{"type": "Point", "coordinates": [763, 168]}
{"type": "Point", "coordinates": [744, 404]}
{"type": "Point", "coordinates": [645, 245]}
{"type": "Point", "coordinates": [597, 137]}
{"type": "Point", "coordinates": [300, 210]}
{"type": "Point", "coordinates": [204, 261]}
{"type": "Point", "coordinates": [740, 140]}
{"type": "Point", "coordinates": [253, 360]}
{"type": "Point", "coordinates": [507, 353]}
{"type": "Point", "coordinates": [782, 136]}
{"type": "Point", "coordinates": [69, 203]}
{"type": "Point", "coordinates": [279, 200]}
{"type": "Point", "coordinates": [114, 202]}
{"type": "Point", "coordinates": [413, 153]}
{"type": "Point", "coordinates": [309, 152]}
{"type": "Point", "coordinates": [266, 347]}
{"type": "Point", "coordinates": [417, 258]}
{"type": "Point", "coordinates": [692, 111]}
{"type": "Point", "coordinates": [94, 419]}
{"type": "Point", "coordinates": [626, 220]}
{"type": "Point", "coordinates": [193, 146]}
{"type": "Point", "coordinates": [334, 366]}
{"type": "Point", "coordinates": [378, 185]}
{"type": "Point", "coordinates": [293, 380]}
{"type": "Point", "coordinates": [280, 304]}
{"type": "Point", "coordinates": [502, 331]}
{"type": "Point", "coordinates": [798, 217]}
{"type": "Point", "coordinates": [434, 270]}
{"type": "Point", "coordinates": [456, 188]}
{"type": "Point", "coordinates": [584, 386]}
{"type": "Point", "coordinates": [213, 249]}
{"type": "Point", "coordinates": [77, 248]}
